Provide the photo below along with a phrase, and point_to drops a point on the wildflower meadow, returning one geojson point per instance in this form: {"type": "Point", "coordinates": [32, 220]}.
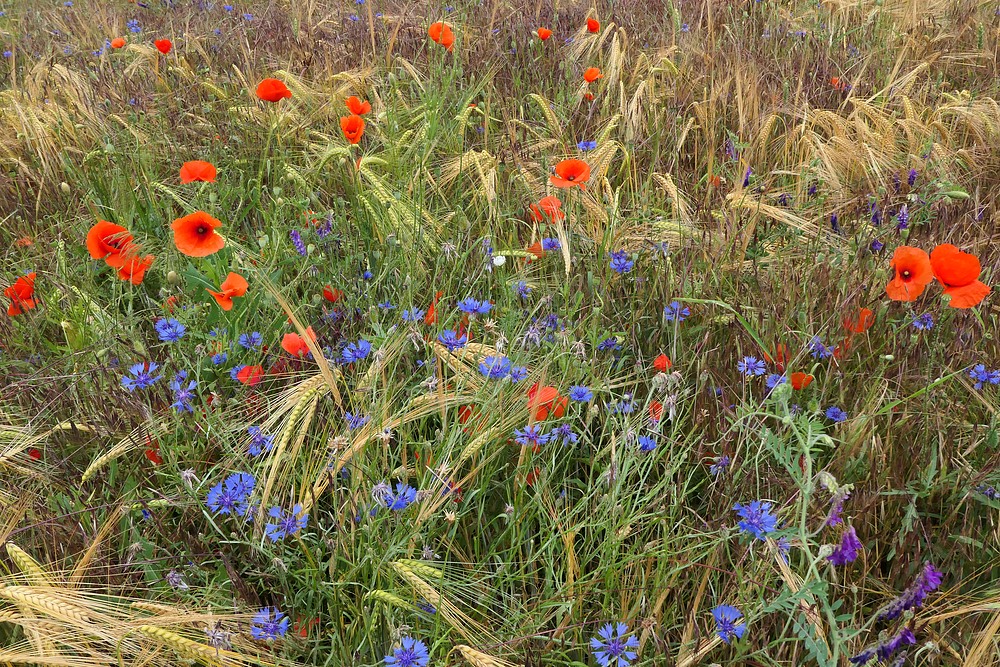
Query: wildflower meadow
{"type": "Point", "coordinates": [499, 333]}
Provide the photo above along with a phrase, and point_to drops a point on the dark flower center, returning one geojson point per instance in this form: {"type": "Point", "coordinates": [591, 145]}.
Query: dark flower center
{"type": "Point", "coordinates": [906, 274]}
{"type": "Point", "coordinates": [201, 230]}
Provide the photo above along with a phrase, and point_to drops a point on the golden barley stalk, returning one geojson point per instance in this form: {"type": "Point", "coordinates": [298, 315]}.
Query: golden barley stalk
{"type": "Point", "coordinates": [28, 566]}
{"type": "Point", "coordinates": [480, 659]}
{"type": "Point", "coordinates": [182, 645]}
{"type": "Point", "coordinates": [48, 603]}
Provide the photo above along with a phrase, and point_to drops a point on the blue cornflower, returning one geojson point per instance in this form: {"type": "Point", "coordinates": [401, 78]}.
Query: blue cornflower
{"type": "Point", "coordinates": [775, 379]}
{"type": "Point", "coordinates": [517, 374]}
{"type": "Point", "coordinates": [835, 223]}
{"type": "Point", "coordinates": [386, 305]}
{"type": "Point", "coordinates": [259, 442]}
{"type": "Point", "coordinates": [219, 358]}
{"type": "Point", "coordinates": [564, 433]}
{"type": "Point", "coordinates": [876, 246]}
{"type": "Point", "coordinates": [531, 436]}
{"type": "Point", "coordinates": [8, 53]}
{"type": "Point", "coordinates": [585, 146]}
{"type": "Point", "coordinates": [228, 8]}
{"type": "Point", "coordinates": [234, 372]}
{"type": "Point", "coordinates": [248, 16]}
{"type": "Point", "coordinates": [250, 341]}
{"type": "Point", "coordinates": [620, 263]}
{"type": "Point", "coordinates": [719, 466]}
{"type": "Point", "coordinates": [818, 350]}
{"type": "Point", "coordinates": [847, 552]}
{"type": "Point", "coordinates": [983, 377]}
{"type": "Point", "coordinates": [451, 340]}
{"type": "Point", "coordinates": [835, 414]}
{"type": "Point", "coordinates": [411, 653]}
{"type": "Point", "coordinates": [367, 275]}
{"type": "Point", "coordinates": [757, 519]}
{"type": "Point", "coordinates": [133, 25]}
{"type": "Point", "coordinates": [685, 27]}
{"type": "Point", "coordinates": [521, 289]}
{"type": "Point", "coordinates": [676, 311]}
{"type": "Point", "coordinates": [300, 245]}
{"type": "Point", "coordinates": [470, 306]}
{"type": "Point", "coordinates": [354, 421]}
{"type": "Point", "coordinates": [580, 393]}
{"type": "Point", "coordinates": [232, 495]}
{"type": "Point", "coordinates": [646, 443]}
{"type": "Point", "coordinates": [609, 343]}
{"type": "Point", "coordinates": [285, 524]}
{"type": "Point", "coordinates": [269, 624]}
{"type": "Point", "coordinates": [356, 351]}
{"type": "Point", "coordinates": [751, 366]}
{"type": "Point", "coordinates": [614, 646]}
{"type": "Point", "coordinates": [494, 367]}
{"type": "Point", "coordinates": [729, 623]}
{"type": "Point", "coordinates": [911, 178]}
{"type": "Point", "coordinates": [413, 315]}
{"type": "Point", "coordinates": [549, 243]}
{"type": "Point", "coordinates": [404, 496]}
{"type": "Point", "coordinates": [142, 376]}
{"type": "Point", "coordinates": [923, 322]}
{"type": "Point", "coordinates": [354, 18]}
{"type": "Point", "coordinates": [182, 394]}
{"type": "Point", "coordinates": [170, 330]}
{"type": "Point", "coordinates": [746, 177]}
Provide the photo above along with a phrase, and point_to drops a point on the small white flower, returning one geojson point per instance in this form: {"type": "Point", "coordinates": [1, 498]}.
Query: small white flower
{"type": "Point", "coordinates": [499, 260]}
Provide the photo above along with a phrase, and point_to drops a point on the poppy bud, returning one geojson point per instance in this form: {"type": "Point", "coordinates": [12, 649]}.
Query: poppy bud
{"type": "Point", "coordinates": [64, 186]}
{"type": "Point", "coordinates": [212, 197]}
{"type": "Point", "coordinates": [173, 278]}
{"type": "Point", "coordinates": [279, 201]}
{"type": "Point", "coordinates": [276, 190]}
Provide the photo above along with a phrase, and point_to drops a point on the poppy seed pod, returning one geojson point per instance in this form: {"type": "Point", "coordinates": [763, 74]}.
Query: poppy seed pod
{"type": "Point", "coordinates": [64, 186]}
{"type": "Point", "coordinates": [173, 278]}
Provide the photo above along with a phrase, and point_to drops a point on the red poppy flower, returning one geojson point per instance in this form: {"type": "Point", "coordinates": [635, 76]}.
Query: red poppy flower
{"type": "Point", "coordinates": [588, 96]}
{"type": "Point", "coordinates": [250, 375]}
{"type": "Point", "coordinates": [197, 170]}
{"type": "Point", "coordinates": [913, 274]}
{"type": "Point", "coordinates": [714, 180]}
{"type": "Point", "coordinates": [570, 173]}
{"type": "Point", "coordinates": [272, 90]}
{"type": "Point", "coordinates": [233, 286]}
{"type": "Point", "coordinates": [800, 380]}
{"type": "Point", "coordinates": [780, 358]}
{"type": "Point", "coordinates": [117, 43]}
{"type": "Point", "coordinates": [544, 402]}
{"type": "Point", "coordinates": [153, 454]}
{"type": "Point", "coordinates": [24, 242]}
{"type": "Point", "coordinates": [547, 207]}
{"type": "Point", "coordinates": [357, 107]}
{"type": "Point", "coordinates": [959, 273]}
{"type": "Point", "coordinates": [170, 304]}
{"type": "Point", "coordinates": [332, 295]}
{"type": "Point", "coordinates": [194, 235]}
{"type": "Point", "coordinates": [110, 242]}
{"type": "Point", "coordinates": [533, 476]}
{"type": "Point", "coordinates": [593, 25]}
{"type": "Point", "coordinates": [655, 411]}
{"type": "Point", "coordinates": [163, 46]}
{"type": "Point", "coordinates": [353, 127]}
{"type": "Point", "coordinates": [295, 345]}
{"type": "Point", "coordinates": [861, 323]}
{"type": "Point", "coordinates": [431, 316]}
{"type": "Point", "coordinates": [544, 33]}
{"type": "Point", "coordinates": [442, 34]}
{"type": "Point", "coordinates": [662, 363]}
{"type": "Point", "coordinates": [592, 74]}
{"type": "Point", "coordinates": [838, 83]}
{"type": "Point", "coordinates": [536, 249]}
{"type": "Point", "coordinates": [134, 268]}
{"type": "Point", "coordinates": [35, 454]}
{"type": "Point", "coordinates": [21, 295]}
